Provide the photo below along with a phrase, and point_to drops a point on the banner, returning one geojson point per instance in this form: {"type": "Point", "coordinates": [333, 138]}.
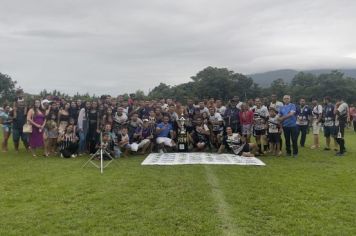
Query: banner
{"type": "Point", "coordinates": [200, 158]}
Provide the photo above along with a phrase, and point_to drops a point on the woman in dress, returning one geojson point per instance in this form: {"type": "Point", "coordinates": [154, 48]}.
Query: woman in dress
{"type": "Point", "coordinates": [36, 117]}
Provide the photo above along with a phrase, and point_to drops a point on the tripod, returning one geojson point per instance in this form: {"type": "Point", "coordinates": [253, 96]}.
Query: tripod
{"type": "Point", "coordinates": [100, 153]}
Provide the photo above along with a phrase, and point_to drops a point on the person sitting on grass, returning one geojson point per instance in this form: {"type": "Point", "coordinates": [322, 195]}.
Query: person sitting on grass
{"type": "Point", "coordinates": [235, 143]}
{"type": "Point", "coordinates": [107, 144]}
{"type": "Point", "coordinates": [200, 135]}
{"type": "Point", "coordinates": [143, 138]}
{"type": "Point", "coordinates": [123, 141]}
{"type": "Point", "coordinates": [274, 132]}
{"type": "Point", "coordinates": [165, 134]}
{"type": "Point", "coordinates": [68, 143]}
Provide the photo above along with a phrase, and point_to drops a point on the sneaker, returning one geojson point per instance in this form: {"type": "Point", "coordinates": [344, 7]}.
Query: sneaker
{"type": "Point", "coordinates": [326, 149]}
{"type": "Point", "coordinates": [339, 154]}
{"type": "Point", "coordinates": [295, 155]}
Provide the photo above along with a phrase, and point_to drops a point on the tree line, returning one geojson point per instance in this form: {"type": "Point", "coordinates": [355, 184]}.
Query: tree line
{"type": "Point", "coordinates": [222, 83]}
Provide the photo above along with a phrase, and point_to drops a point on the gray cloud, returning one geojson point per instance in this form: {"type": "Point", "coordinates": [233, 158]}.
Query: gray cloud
{"type": "Point", "coordinates": [121, 46]}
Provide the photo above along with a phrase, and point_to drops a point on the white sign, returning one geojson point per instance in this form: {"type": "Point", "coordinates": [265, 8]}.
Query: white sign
{"type": "Point", "coordinates": [200, 158]}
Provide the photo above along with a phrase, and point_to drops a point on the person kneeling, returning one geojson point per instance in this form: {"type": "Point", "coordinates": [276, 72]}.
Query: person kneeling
{"type": "Point", "coordinates": [142, 136]}
{"type": "Point", "coordinates": [236, 144]}
{"type": "Point", "coordinates": [68, 143]}
{"type": "Point", "coordinates": [123, 140]}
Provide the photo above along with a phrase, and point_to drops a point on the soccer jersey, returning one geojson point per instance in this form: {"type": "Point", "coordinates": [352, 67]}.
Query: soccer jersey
{"type": "Point", "coordinates": [260, 116]}
{"type": "Point", "coordinates": [273, 125]}
{"type": "Point", "coordinates": [303, 115]}
{"type": "Point", "coordinates": [328, 115]}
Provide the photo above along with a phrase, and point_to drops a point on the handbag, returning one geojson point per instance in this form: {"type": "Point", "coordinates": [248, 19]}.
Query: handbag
{"type": "Point", "coordinates": [27, 128]}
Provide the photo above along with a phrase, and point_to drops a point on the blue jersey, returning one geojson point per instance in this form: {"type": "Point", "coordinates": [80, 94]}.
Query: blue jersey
{"type": "Point", "coordinates": [165, 132]}
{"type": "Point", "coordinates": [285, 110]}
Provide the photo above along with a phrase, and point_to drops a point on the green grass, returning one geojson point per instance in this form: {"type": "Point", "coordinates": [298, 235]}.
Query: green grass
{"type": "Point", "coordinates": [314, 194]}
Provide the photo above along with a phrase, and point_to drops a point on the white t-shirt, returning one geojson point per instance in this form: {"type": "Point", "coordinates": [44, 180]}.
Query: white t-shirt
{"type": "Point", "coordinates": [317, 111]}
{"type": "Point", "coordinates": [276, 105]}
{"type": "Point", "coordinates": [221, 110]}
{"type": "Point", "coordinates": [238, 105]}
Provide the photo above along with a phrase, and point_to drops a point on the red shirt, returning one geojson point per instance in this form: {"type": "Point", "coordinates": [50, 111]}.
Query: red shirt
{"type": "Point", "coordinates": [246, 117]}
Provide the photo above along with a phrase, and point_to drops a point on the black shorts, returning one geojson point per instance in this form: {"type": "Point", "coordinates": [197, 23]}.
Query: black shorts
{"type": "Point", "coordinates": [329, 131]}
{"type": "Point", "coordinates": [259, 132]}
{"type": "Point", "coordinates": [274, 138]}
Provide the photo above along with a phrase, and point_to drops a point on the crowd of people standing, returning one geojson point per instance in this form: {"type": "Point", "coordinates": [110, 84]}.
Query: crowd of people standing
{"type": "Point", "coordinates": [123, 126]}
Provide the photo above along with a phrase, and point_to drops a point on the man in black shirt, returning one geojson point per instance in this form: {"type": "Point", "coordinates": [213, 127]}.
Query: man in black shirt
{"type": "Point", "coordinates": [19, 114]}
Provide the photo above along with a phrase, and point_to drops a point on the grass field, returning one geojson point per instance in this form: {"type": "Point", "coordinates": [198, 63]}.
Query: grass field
{"type": "Point", "coordinates": [314, 194]}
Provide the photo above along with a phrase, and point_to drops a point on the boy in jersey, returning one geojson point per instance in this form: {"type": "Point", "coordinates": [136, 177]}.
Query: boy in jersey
{"type": "Point", "coordinates": [274, 131]}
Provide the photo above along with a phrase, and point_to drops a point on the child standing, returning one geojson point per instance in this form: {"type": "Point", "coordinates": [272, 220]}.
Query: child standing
{"type": "Point", "coordinates": [52, 134]}
{"type": "Point", "coordinates": [274, 131]}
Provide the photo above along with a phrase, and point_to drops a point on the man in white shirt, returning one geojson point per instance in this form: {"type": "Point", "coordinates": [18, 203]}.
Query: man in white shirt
{"type": "Point", "coordinates": [274, 103]}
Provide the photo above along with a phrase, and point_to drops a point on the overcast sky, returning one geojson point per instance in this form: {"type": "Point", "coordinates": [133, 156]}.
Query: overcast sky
{"type": "Point", "coordinates": [117, 46]}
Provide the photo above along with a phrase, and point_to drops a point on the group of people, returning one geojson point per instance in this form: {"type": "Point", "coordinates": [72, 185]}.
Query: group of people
{"type": "Point", "coordinates": [124, 126]}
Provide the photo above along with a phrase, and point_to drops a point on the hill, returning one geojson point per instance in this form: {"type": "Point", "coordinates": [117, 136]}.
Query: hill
{"type": "Point", "coordinates": [265, 79]}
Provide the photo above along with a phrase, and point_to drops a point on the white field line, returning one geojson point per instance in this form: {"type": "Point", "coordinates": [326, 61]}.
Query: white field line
{"type": "Point", "coordinates": [229, 227]}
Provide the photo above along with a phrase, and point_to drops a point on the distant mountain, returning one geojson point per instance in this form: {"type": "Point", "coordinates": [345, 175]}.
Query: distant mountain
{"type": "Point", "coordinates": [266, 78]}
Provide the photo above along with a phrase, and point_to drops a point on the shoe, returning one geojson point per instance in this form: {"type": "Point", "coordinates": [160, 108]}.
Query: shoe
{"type": "Point", "coordinates": [339, 154]}
{"type": "Point", "coordinates": [295, 155]}
{"type": "Point", "coordinates": [288, 154]}
{"type": "Point", "coordinates": [326, 149]}
{"type": "Point", "coordinates": [314, 147]}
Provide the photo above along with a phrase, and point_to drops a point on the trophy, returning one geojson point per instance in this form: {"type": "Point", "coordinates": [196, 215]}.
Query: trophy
{"type": "Point", "coordinates": [182, 135]}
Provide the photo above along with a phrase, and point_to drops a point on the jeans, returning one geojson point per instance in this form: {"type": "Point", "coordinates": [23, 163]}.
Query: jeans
{"type": "Point", "coordinates": [82, 142]}
{"type": "Point", "coordinates": [302, 129]}
{"type": "Point", "coordinates": [291, 133]}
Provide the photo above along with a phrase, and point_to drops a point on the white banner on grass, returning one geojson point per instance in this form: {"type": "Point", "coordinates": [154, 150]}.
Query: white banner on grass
{"type": "Point", "coordinates": [200, 158]}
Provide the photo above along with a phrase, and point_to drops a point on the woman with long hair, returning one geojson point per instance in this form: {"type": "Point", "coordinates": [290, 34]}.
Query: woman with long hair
{"type": "Point", "coordinates": [36, 117]}
{"type": "Point", "coordinates": [63, 118]}
{"type": "Point", "coordinates": [83, 126]}
{"type": "Point", "coordinates": [93, 130]}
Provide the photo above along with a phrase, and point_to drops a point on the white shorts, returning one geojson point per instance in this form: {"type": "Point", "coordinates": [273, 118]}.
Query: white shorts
{"type": "Point", "coordinates": [165, 140]}
{"type": "Point", "coordinates": [316, 127]}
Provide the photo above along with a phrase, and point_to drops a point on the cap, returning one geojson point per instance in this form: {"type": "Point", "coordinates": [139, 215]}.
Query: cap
{"type": "Point", "coordinates": [45, 101]}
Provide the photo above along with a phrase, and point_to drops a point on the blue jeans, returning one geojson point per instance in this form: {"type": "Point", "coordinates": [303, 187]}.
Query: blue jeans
{"type": "Point", "coordinates": [291, 134]}
{"type": "Point", "coordinates": [82, 142]}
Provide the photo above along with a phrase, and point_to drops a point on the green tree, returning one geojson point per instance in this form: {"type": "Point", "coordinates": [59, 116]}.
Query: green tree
{"type": "Point", "coordinates": [7, 88]}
